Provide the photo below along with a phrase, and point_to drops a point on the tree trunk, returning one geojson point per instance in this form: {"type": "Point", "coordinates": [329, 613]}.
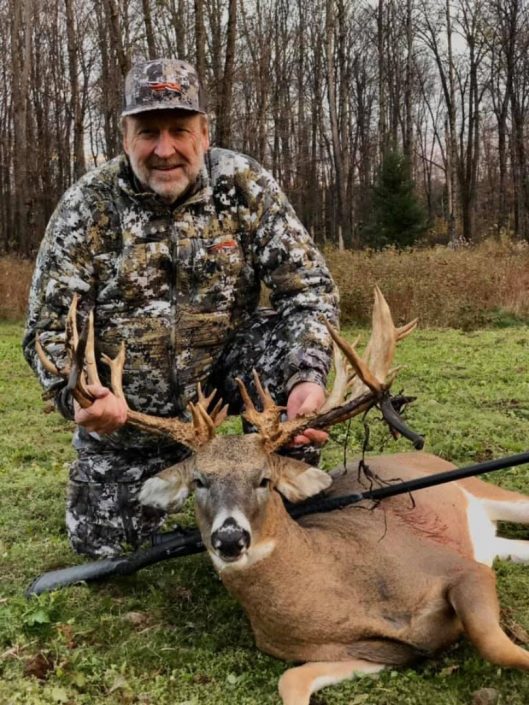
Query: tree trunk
{"type": "Point", "coordinates": [225, 97]}
{"type": "Point", "coordinates": [79, 163]}
{"type": "Point", "coordinates": [149, 32]}
{"type": "Point", "coordinates": [22, 12]}
{"type": "Point", "coordinates": [333, 115]}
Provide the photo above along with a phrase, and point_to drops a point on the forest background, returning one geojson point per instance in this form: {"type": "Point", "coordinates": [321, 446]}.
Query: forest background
{"type": "Point", "coordinates": [332, 96]}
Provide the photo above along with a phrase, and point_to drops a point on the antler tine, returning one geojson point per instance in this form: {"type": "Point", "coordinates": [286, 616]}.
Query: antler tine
{"type": "Point", "coordinates": [342, 379]}
{"type": "Point", "coordinates": [384, 338]}
{"type": "Point", "coordinates": [205, 401]}
{"type": "Point", "coordinates": [219, 412]}
{"type": "Point", "coordinates": [72, 333]}
{"type": "Point", "coordinates": [250, 412]}
{"type": "Point", "coordinates": [273, 432]}
{"type": "Point", "coordinates": [71, 341]}
{"type": "Point", "coordinates": [48, 365]}
{"type": "Point", "coordinates": [202, 423]}
{"type": "Point", "coordinates": [264, 394]}
{"type": "Point", "coordinates": [357, 363]}
{"type": "Point", "coordinates": [116, 365]}
{"type": "Point", "coordinates": [405, 330]}
{"type": "Point", "coordinates": [75, 346]}
{"type": "Point", "coordinates": [92, 376]}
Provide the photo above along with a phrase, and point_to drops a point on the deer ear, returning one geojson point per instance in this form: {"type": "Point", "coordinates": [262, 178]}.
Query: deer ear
{"type": "Point", "coordinates": [168, 490]}
{"type": "Point", "coordinates": [296, 480]}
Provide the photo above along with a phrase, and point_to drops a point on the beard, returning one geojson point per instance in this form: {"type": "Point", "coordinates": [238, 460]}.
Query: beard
{"type": "Point", "coordinates": [169, 179]}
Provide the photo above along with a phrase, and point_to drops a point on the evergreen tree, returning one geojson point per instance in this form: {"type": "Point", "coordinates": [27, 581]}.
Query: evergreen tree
{"type": "Point", "coordinates": [397, 218]}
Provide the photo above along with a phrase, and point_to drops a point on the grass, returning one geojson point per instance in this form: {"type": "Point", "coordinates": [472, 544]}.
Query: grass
{"type": "Point", "coordinates": [170, 635]}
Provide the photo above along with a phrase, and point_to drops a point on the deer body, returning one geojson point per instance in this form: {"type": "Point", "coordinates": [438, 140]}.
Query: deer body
{"type": "Point", "coordinates": [350, 591]}
{"type": "Point", "coordinates": [360, 582]}
{"type": "Point", "coordinates": [371, 587]}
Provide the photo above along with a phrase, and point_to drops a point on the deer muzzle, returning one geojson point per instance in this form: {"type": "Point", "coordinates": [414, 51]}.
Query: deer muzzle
{"type": "Point", "coordinates": [230, 540]}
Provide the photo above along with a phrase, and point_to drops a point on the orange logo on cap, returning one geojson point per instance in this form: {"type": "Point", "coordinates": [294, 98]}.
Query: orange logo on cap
{"type": "Point", "coordinates": [168, 86]}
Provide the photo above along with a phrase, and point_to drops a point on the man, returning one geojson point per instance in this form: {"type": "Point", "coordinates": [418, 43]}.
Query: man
{"type": "Point", "coordinates": [170, 243]}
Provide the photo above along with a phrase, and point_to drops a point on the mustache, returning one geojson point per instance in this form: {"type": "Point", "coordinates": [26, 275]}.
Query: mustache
{"type": "Point", "coordinates": [164, 163]}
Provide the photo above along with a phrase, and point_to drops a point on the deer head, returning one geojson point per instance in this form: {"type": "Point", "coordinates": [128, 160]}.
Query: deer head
{"type": "Point", "coordinates": [237, 480]}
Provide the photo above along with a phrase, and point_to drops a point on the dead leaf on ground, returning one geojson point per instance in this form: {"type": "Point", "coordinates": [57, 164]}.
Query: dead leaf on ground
{"type": "Point", "coordinates": [180, 593]}
{"type": "Point", "coordinates": [121, 691]}
{"type": "Point", "coordinates": [39, 666]}
{"type": "Point", "coordinates": [485, 696]}
{"type": "Point", "coordinates": [139, 620]}
{"type": "Point", "coordinates": [67, 632]}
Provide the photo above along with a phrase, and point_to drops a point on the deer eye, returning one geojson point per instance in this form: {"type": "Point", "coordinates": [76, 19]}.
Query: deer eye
{"type": "Point", "coordinates": [265, 482]}
{"type": "Point", "coordinates": [198, 483]}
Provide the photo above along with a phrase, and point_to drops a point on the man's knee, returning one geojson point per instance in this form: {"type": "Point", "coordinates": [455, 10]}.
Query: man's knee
{"type": "Point", "coordinates": [103, 513]}
{"type": "Point", "coordinates": [104, 519]}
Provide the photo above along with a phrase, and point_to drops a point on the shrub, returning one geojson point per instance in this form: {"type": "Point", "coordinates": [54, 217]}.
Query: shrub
{"type": "Point", "coordinates": [485, 285]}
{"type": "Point", "coordinates": [15, 278]}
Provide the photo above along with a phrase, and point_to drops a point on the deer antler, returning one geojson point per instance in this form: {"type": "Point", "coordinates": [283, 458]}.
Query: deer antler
{"type": "Point", "coordinates": [79, 350]}
{"type": "Point", "coordinates": [80, 369]}
{"type": "Point", "coordinates": [192, 433]}
{"type": "Point", "coordinates": [274, 432]}
{"type": "Point", "coordinates": [359, 382]}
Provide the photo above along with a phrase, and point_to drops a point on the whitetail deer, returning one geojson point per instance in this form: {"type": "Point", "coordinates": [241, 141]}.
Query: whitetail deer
{"type": "Point", "coordinates": [350, 591]}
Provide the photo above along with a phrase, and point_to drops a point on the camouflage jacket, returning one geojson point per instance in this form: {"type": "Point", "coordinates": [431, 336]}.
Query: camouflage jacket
{"type": "Point", "coordinates": [174, 280]}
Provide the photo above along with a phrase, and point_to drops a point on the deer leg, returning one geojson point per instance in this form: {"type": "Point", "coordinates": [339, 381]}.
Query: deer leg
{"type": "Point", "coordinates": [499, 504]}
{"type": "Point", "coordinates": [297, 684]}
{"type": "Point", "coordinates": [475, 602]}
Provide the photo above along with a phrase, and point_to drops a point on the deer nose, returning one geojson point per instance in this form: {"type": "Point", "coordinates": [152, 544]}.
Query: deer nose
{"type": "Point", "coordinates": [230, 539]}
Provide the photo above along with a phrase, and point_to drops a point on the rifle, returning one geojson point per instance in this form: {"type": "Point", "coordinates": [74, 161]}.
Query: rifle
{"type": "Point", "coordinates": [192, 543]}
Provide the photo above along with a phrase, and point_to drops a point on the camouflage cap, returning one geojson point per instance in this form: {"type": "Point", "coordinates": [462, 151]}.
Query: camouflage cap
{"type": "Point", "coordinates": [163, 84]}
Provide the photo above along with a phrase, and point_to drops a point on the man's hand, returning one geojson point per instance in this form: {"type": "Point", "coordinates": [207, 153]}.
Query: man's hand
{"type": "Point", "coordinates": [105, 415]}
{"type": "Point", "coordinates": [304, 398]}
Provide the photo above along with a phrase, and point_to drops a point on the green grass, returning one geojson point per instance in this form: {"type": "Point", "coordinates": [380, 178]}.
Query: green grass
{"type": "Point", "coordinates": [170, 634]}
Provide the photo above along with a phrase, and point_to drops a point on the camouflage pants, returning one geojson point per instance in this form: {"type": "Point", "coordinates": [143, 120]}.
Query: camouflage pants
{"type": "Point", "coordinates": [103, 515]}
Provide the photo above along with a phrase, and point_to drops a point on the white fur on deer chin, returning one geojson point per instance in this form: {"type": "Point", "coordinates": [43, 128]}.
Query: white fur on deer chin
{"type": "Point", "coordinates": [248, 558]}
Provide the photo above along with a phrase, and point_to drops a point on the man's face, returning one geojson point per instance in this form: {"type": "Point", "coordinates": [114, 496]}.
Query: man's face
{"type": "Point", "coordinates": [166, 149]}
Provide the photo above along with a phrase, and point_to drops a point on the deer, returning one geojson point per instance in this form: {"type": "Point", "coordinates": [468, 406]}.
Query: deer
{"type": "Point", "coordinates": [348, 592]}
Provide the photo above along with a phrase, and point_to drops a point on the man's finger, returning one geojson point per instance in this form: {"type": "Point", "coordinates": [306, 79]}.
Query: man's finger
{"type": "Point", "coordinates": [98, 391]}
{"type": "Point", "coordinates": [316, 436]}
{"type": "Point", "coordinates": [311, 435]}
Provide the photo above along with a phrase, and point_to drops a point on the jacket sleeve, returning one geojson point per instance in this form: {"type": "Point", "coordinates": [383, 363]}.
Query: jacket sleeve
{"type": "Point", "coordinates": [64, 265]}
{"type": "Point", "coordinates": [302, 289]}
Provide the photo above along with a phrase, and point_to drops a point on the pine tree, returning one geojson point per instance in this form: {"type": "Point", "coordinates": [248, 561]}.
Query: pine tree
{"type": "Point", "coordinates": [397, 217]}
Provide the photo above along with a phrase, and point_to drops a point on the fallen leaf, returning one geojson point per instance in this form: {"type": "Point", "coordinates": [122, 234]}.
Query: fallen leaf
{"type": "Point", "coordinates": [140, 620]}
{"type": "Point", "coordinates": [485, 696]}
{"type": "Point", "coordinates": [39, 666]}
{"type": "Point", "coordinates": [67, 632]}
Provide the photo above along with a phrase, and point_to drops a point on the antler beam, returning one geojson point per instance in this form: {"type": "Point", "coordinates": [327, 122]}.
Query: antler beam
{"type": "Point", "coordinates": [80, 369]}
{"type": "Point", "coordinates": [360, 382]}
